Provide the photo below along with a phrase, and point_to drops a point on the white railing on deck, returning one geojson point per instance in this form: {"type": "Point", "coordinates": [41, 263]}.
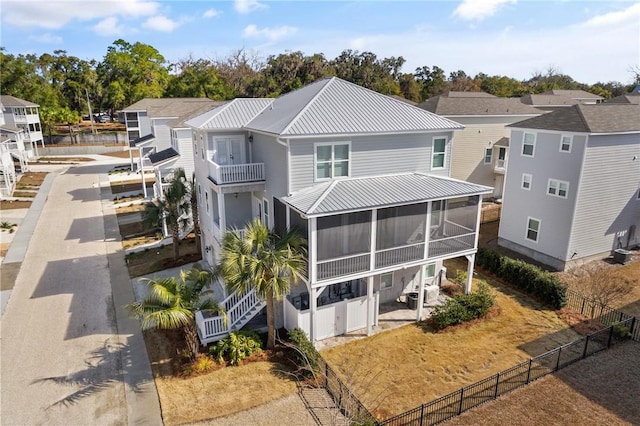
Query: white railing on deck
{"type": "Point", "coordinates": [450, 245]}
{"type": "Point", "coordinates": [343, 266]}
{"type": "Point", "coordinates": [399, 255]}
{"type": "Point", "coordinates": [236, 173]}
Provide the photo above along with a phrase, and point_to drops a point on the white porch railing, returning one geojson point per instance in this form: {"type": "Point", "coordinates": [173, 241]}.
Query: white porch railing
{"type": "Point", "coordinates": [398, 255]}
{"type": "Point", "coordinates": [236, 173]}
{"type": "Point", "coordinates": [343, 266]}
{"type": "Point", "coordinates": [239, 309]}
{"type": "Point", "coordinates": [450, 245]}
{"type": "Point", "coordinates": [500, 166]}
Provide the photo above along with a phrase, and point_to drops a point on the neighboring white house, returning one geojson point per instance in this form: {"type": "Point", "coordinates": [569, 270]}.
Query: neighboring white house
{"type": "Point", "coordinates": [573, 184]}
{"type": "Point", "coordinates": [7, 167]}
{"type": "Point", "coordinates": [156, 127]}
{"type": "Point", "coordinates": [22, 126]}
{"type": "Point", "coordinates": [364, 177]}
{"type": "Point", "coordinates": [480, 151]}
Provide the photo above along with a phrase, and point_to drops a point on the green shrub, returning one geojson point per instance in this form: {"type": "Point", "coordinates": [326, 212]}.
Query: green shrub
{"type": "Point", "coordinates": [529, 278]}
{"type": "Point", "coordinates": [305, 354]}
{"type": "Point", "coordinates": [237, 346]}
{"type": "Point", "coordinates": [461, 278]}
{"type": "Point", "coordinates": [201, 365]}
{"type": "Point", "coordinates": [621, 331]}
{"type": "Point", "coordinates": [464, 307]}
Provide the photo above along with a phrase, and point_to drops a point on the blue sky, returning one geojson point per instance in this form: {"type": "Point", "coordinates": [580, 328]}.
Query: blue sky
{"type": "Point", "coordinates": [588, 40]}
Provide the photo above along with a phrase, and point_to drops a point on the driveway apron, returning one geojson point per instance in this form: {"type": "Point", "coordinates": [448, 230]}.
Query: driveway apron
{"type": "Point", "coordinates": [62, 354]}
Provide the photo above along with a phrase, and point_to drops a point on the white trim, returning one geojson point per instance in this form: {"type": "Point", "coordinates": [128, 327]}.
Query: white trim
{"type": "Point", "coordinates": [557, 187]}
{"type": "Point", "coordinates": [266, 213]}
{"type": "Point", "coordinates": [533, 145]}
{"type": "Point", "coordinates": [526, 233]}
{"type": "Point", "coordinates": [490, 151]}
{"type": "Point", "coordinates": [562, 143]}
{"type": "Point", "coordinates": [332, 161]}
{"type": "Point", "coordinates": [386, 274]}
{"type": "Point", "coordinates": [356, 134]}
{"type": "Point", "coordinates": [522, 182]}
{"type": "Point", "coordinates": [444, 153]}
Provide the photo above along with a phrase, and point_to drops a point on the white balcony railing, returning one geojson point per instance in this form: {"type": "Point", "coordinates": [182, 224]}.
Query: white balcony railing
{"type": "Point", "coordinates": [343, 266]}
{"type": "Point", "coordinates": [236, 173]}
{"type": "Point", "coordinates": [500, 166]}
{"type": "Point", "coordinates": [399, 255]}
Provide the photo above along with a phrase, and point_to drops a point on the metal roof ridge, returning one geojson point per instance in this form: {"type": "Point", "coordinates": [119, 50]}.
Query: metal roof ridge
{"type": "Point", "coordinates": [323, 196]}
{"type": "Point", "coordinates": [308, 105]}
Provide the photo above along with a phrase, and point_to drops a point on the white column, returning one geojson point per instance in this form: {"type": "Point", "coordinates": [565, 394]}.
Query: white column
{"type": "Point", "coordinates": [159, 184]}
{"type": "Point", "coordinates": [471, 258]}
{"type": "Point", "coordinates": [370, 305]}
{"type": "Point", "coordinates": [313, 306]}
{"type": "Point", "coordinates": [221, 214]}
{"type": "Point", "coordinates": [427, 231]}
{"type": "Point", "coordinates": [372, 251]}
{"type": "Point", "coordinates": [144, 184]}
{"type": "Point", "coordinates": [313, 250]}
{"type": "Point", "coordinates": [478, 215]}
{"type": "Point", "coordinates": [421, 293]}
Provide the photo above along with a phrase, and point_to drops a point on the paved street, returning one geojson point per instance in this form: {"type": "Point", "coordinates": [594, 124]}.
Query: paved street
{"type": "Point", "coordinates": [69, 353]}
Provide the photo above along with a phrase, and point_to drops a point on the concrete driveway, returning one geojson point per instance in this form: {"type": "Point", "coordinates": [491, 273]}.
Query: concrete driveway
{"type": "Point", "coordinates": [69, 353]}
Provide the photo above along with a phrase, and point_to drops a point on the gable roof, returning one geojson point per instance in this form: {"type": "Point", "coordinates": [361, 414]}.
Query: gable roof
{"type": "Point", "coordinates": [356, 194]}
{"type": "Point", "coordinates": [231, 115]}
{"type": "Point", "coordinates": [180, 122]}
{"type": "Point", "coordinates": [332, 106]}
{"type": "Point", "coordinates": [142, 140]}
{"type": "Point", "coordinates": [547, 100]}
{"type": "Point", "coordinates": [12, 101]}
{"type": "Point", "coordinates": [451, 106]}
{"type": "Point", "coordinates": [599, 118]}
{"type": "Point", "coordinates": [168, 107]}
{"type": "Point", "coordinates": [573, 94]}
{"type": "Point", "coordinates": [458, 94]}
{"type": "Point", "coordinates": [629, 98]}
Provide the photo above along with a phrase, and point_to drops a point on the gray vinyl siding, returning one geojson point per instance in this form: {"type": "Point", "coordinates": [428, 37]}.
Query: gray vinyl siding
{"type": "Point", "coordinates": [185, 148]}
{"type": "Point", "coordinates": [238, 209]}
{"type": "Point", "coordinates": [555, 214]}
{"type": "Point", "coordinates": [144, 124]}
{"type": "Point", "coordinates": [468, 147]}
{"type": "Point", "coordinates": [607, 204]}
{"type": "Point", "coordinates": [370, 156]}
{"type": "Point", "coordinates": [162, 132]}
{"type": "Point", "coordinates": [274, 156]}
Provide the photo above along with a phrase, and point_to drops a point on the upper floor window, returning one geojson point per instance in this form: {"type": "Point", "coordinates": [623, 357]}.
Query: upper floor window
{"type": "Point", "coordinates": [488, 155]}
{"type": "Point", "coordinates": [533, 229]}
{"type": "Point", "coordinates": [558, 188]}
{"type": "Point", "coordinates": [526, 181]}
{"type": "Point", "coordinates": [565, 143]}
{"type": "Point", "coordinates": [131, 118]}
{"type": "Point", "coordinates": [332, 160]}
{"type": "Point", "coordinates": [528, 144]}
{"type": "Point", "coordinates": [439, 149]}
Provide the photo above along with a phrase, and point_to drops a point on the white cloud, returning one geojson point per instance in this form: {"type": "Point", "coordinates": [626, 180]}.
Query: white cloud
{"type": "Point", "coordinates": [631, 15]}
{"type": "Point", "coordinates": [270, 33]}
{"type": "Point", "coordinates": [109, 27]}
{"type": "Point", "coordinates": [161, 23]}
{"type": "Point", "coordinates": [477, 10]}
{"type": "Point", "coordinates": [57, 14]}
{"type": "Point", "coordinates": [211, 13]}
{"type": "Point", "coordinates": [47, 38]}
{"type": "Point", "coordinates": [248, 6]}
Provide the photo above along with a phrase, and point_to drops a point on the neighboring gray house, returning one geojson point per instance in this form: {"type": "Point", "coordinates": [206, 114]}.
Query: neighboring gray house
{"type": "Point", "coordinates": [552, 100]}
{"type": "Point", "coordinates": [363, 176]}
{"type": "Point", "coordinates": [480, 151]}
{"type": "Point", "coordinates": [156, 130]}
{"type": "Point", "coordinates": [573, 183]}
{"type": "Point", "coordinates": [22, 126]}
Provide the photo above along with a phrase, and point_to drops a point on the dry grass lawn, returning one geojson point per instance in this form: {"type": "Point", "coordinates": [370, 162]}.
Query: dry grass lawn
{"type": "Point", "coordinates": [400, 369]}
{"type": "Point", "coordinates": [121, 154]}
{"type": "Point", "coordinates": [10, 204]}
{"type": "Point", "coordinates": [601, 390]}
{"type": "Point", "coordinates": [157, 259]}
{"type": "Point", "coordinates": [30, 180]}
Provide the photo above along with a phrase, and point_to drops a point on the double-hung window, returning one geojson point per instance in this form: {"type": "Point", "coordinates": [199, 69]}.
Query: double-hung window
{"type": "Point", "coordinates": [558, 188]}
{"type": "Point", "coordinates": [526, 181]}
{"type": "Point", "coordinates": [565, 143]}
{"type": "Point", "coordinates": [528, 144]}
{"type": "Point", "coordinates": [488, 155]}
{"type": "Point", "coordinates": [439, 150]}
{"type": "Point", "coordinates": [332, 160]}
{"type": "Point", "coordinates": [386, 280]}
{"type": "Point", "coordinates": [533, 229]}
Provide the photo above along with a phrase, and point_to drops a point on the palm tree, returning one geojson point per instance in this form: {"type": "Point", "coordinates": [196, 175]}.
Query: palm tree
{"type": "Point", "coordinates": [171, 303]}
{"type": "Point", "coordinates": [172, 210]}
{"type": "Point", "coordinates": [265, 262]}
{"type": "Point", "coordinates": [195, 216]}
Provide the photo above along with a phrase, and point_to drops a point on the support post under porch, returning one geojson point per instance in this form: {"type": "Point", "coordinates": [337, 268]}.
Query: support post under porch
{"type": "Point", "coordinates": [313, 306]}
{"type": "Point", "coordinates": [471, 258]}
{"type": "Point", "coordinates": [421, 293]}
{"type": "Point", "coordinates": [370, 305]}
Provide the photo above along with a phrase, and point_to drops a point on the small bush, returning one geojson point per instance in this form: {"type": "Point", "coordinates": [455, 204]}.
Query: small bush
{"type": "Point", "coordinates": [201, 365]}
{"type": "Point", "coordinates": [237, 346]}
{"type": "Point", "coordinates": [544, 285]}
{"type": "Point", "coordinates": [621, 331]}
{"type": "Point", "coordinates": [461, 278]}
{"type": "Point", "coordinates": [464, 307]}
{"type": "Point", "coordinates": [306, 354]}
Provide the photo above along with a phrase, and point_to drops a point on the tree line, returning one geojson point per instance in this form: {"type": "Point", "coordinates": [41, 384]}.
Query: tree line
{"type": "Point", "coordinates": [61, 83]}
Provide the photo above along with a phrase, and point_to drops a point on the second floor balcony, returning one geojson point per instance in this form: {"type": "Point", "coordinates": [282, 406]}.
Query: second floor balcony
{"type": "Point", "coordinates": [236, 173]}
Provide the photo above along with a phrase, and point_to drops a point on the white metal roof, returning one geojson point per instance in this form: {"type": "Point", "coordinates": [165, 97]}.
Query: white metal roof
{"type": "Point", "coordinates": [356, 194]}
{"type": "Point", "coordinates": [232, 115]}
{"type": "Point", "coordinates": [332, 106]}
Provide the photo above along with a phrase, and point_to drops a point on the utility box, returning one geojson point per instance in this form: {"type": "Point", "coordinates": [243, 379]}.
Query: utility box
{"type": "Point", "coordinates": [412, 300]}
{"type": "Point", "coordinates": [622, 256]}
{"type": "Point", "coordinates": [431, 293]}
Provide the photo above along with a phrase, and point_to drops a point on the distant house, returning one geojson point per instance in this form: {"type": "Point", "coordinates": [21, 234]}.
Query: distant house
{"type": "Point", "coordinates": [7, 167]}
{"type": "Point", "coordinates": [22, 118]}
{"type": "Point", "coordinates": [363, 176]}
{"type": "Point", "coordinates": [156, 132]}
{"type": "Point", "coordinates": [480, 152]}
{"type": "Point", "coordinates": [572, 189]}
{"type": "Point", "coordinates": [555, 99]}
{"type": "Point", "coordinates": [629, 98]}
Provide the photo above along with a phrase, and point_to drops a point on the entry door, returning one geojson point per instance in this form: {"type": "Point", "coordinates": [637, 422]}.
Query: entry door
{"type": "Point", "coordinates": [228, 151]}
{"type": "Point", "coordinates": [502, 155]}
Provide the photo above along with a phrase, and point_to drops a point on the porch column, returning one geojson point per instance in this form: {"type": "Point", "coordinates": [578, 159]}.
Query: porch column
{"type": "Point", "coordinates": [221, 214]}
{"type": "Point", "coordinates": [471, 258]}
{"type": "Point", "coordinates": [479, 215]}
{"type": "Point", "coordinates": [158, 184]}
{"type": "Point", "coordinates": [313, 306]}
{"type": "Point", "coordinates": [427, 231]}
{"type": "Point", "coordinates": [373, 248]}
{"type": "Point", "coordinates": [144, 184]}
{"type": "Point", "coordinates": [131, 158]}
{"type": "Point", "coordinates": [421, 293]}
{"type": "Point", "coordinates": [370, 305]}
